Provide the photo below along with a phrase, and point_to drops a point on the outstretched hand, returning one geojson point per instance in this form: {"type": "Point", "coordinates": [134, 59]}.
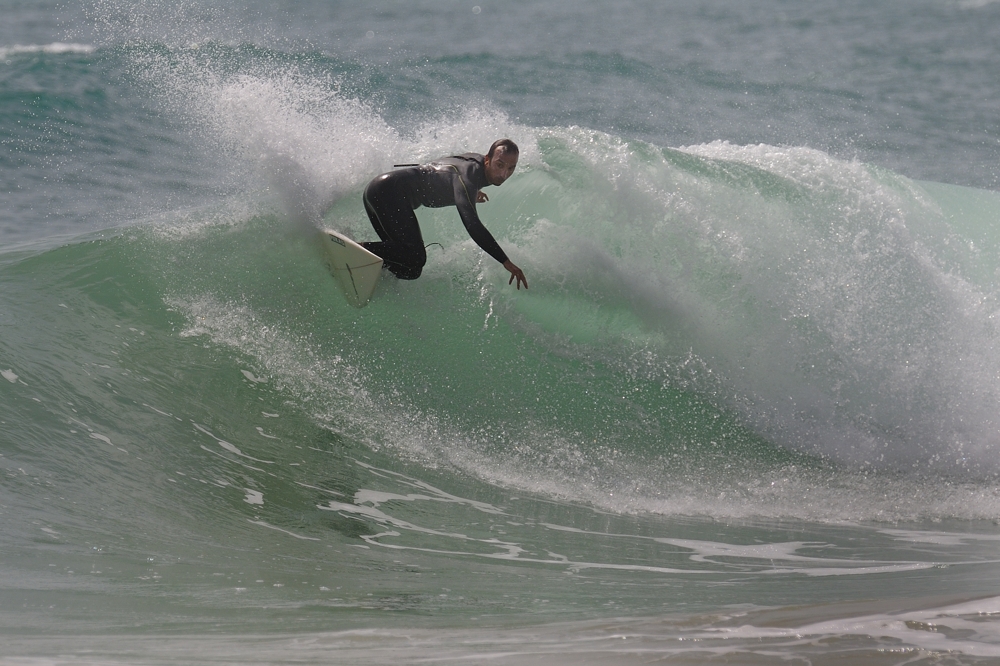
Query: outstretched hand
{"type": "Point", "coordinates": [481, 197]}
{"type": "Point", "coordinates": [515, 273]}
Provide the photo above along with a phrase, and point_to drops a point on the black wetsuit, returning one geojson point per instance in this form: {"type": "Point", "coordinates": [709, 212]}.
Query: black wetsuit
{"type": "Point", "coordinates": [391, 198]}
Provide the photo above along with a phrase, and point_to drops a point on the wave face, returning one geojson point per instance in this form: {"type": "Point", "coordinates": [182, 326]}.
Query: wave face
{"type": "Point", "coordinates": [750, 389]}
{"type": "Point", "coordinates": [695, 314]}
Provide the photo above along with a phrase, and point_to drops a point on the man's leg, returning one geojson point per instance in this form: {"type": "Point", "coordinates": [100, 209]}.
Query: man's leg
{"type": "Point", "coordinates": [402, 245]}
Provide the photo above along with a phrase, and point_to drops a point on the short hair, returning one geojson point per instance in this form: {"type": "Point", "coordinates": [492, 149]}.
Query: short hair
{"type": "Point", "coordinates": [506, 145]}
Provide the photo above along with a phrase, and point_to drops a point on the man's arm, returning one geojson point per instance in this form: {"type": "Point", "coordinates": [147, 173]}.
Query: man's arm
{"type": "Point", "coordinates": [465, 201]}
{"type": "Point", "coordinates": [470, 218]}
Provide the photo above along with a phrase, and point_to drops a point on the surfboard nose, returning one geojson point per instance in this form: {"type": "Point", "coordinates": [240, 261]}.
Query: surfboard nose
{"type": "Point", "coordinates": [356, 270]}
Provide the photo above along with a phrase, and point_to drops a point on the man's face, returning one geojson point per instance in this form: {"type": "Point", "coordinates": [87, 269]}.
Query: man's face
{"type": "Point", "coordinates": [500, 167]}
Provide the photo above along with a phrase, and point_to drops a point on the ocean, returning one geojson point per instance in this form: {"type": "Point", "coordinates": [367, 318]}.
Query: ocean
{"type": "Point", "coordinates": [746, 412]}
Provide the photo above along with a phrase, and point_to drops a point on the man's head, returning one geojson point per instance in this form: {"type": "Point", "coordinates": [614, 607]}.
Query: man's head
{"type": "Point", "coordinates": [501, 161]}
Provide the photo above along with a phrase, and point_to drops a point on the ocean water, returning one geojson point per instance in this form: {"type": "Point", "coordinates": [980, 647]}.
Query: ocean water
{"type": "Point", "coordinates": [746, 412]}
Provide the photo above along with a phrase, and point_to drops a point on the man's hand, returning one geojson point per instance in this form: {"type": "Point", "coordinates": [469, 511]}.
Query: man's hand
{"type": "Point", "coordinates": [515, 273]}
{"type": "Point", "coordinates": [481, 197]}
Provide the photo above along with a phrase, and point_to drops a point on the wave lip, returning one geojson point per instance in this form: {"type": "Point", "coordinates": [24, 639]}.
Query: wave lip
{"type": "Point", "coordinates": [56, 48]}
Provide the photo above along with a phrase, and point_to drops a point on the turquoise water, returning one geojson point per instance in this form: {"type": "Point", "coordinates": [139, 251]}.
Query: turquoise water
{"type": "Point", "coordinates": [746, 411]}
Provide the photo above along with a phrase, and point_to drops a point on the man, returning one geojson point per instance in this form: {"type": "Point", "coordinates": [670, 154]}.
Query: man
{"type": "Point", "coordinates": [391, 198]}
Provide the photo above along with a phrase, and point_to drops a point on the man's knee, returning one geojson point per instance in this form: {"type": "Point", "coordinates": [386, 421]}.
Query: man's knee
{"type": "Point", "coordinates": [405, 272]}
{"type": "Point", "coordinates": [411, 269]}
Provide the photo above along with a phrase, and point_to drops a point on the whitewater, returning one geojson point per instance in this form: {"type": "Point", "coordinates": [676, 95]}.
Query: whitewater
{"type": "Point", "coordinates": [746, 412]}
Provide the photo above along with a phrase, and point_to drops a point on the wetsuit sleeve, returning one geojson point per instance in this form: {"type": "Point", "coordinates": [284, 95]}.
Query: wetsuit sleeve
{"type": "Point", "coordinates": [466, 204]}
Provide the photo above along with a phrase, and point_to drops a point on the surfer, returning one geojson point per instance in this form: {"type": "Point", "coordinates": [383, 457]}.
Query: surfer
{"type": "Point", "coordinates": [391, 198]}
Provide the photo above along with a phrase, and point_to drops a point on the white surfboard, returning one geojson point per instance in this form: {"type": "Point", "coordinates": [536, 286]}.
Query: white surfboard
{"type": "Point", "coordinates": [355, 268]}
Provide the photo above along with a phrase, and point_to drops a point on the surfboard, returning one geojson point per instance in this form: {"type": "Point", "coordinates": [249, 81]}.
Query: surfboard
{"type": "Point", "coordinates": [356, 269]}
